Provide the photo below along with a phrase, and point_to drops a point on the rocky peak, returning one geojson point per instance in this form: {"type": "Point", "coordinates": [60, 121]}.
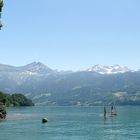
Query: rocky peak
{"type": "Point", "coordinates": [37, 67]}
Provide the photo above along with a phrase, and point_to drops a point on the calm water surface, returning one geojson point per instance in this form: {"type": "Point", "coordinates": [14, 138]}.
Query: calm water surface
{"type": "Point", "coordinates": [70, 123]}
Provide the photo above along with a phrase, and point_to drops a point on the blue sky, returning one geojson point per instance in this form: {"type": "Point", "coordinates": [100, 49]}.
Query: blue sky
{"type": "Point", "coordinates": [71, 34]}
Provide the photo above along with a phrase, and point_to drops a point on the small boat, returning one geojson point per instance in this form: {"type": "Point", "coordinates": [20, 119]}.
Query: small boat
{"type": "Point", "coordinates": [113, 111]}
{"type": "Point", "coordinates": [113, 114]}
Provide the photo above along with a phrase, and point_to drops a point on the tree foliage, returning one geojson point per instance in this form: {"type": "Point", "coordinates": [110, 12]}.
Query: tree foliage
{"type": "Point", "coordinates": [1, 5]}
{"type": "Point", "coordinates": [15, 100]}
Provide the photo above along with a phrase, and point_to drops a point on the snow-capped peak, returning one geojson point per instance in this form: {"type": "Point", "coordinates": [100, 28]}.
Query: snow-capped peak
{"type": "Point", "coordinates": [109, 69]}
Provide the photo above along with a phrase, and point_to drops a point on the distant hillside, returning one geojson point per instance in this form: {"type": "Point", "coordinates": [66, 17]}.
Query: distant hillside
{"type": "Point", "coordinates": [50, 87]}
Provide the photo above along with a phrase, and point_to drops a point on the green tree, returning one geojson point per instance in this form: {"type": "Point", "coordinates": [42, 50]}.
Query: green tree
{"type": "Point", "coordinates": [14, 100]}
{"type": "Point", "coordinates": [1, 5]}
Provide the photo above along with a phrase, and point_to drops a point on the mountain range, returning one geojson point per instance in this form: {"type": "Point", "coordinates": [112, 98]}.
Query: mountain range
{"type": "Point", "coordinates": [98, 85]}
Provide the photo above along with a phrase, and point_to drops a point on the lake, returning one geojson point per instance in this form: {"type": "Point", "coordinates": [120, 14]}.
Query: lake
{"type": "Point", "coordinates": [70, 123]}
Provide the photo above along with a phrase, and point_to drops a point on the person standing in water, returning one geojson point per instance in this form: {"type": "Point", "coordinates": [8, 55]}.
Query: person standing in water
{"type": "Point", "coordinates": [104, 111]}
{"type": "Point", "coordinates": [112, 109]}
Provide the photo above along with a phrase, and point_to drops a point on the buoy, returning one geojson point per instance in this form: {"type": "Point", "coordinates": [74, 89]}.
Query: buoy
{"type": "Point", "coordinates": [44, 120]}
